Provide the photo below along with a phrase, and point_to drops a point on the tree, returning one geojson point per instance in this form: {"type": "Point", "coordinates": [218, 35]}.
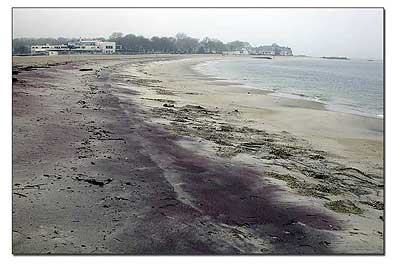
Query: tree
{"type": "Point", "coordinates": [185, 44]}
{"type": "Point", "coordinates": [115, 36]}
{"type": "Point", "coordinates": [208, 45]}
{"type": "Point", "coordinates": [237, 45]}
{"type": "Point", "coordinates": [163, 45]}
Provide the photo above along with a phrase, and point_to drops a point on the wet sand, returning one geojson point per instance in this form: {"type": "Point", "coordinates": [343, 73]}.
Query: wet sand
{"type": "Point", "coordinates": [143, 155]}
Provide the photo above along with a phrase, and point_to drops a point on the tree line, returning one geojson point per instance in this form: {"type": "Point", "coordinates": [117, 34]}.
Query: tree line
{"type": "Point", "coordinates": [130, 43]}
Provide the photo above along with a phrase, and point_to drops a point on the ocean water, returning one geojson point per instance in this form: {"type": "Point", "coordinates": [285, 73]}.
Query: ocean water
{"type": "Point", "coordinates": [353, 86]}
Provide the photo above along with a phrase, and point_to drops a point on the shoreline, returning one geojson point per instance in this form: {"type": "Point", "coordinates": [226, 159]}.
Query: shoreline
{"type": "Point", "coordinates": [155, 160]}
{"type": "Point", "coordinates": [327, 105]}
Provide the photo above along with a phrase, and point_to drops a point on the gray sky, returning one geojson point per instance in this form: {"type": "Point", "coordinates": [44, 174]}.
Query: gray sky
{"type": "Point", "coordinates": [354, 33]}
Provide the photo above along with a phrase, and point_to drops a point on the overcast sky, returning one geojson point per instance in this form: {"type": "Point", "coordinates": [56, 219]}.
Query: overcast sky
{"type": "Point", "coordinates": [356, 33]}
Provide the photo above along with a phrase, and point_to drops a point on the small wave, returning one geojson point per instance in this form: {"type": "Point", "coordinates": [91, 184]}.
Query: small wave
{"type": "Point", "coordinates": [380, 116]}
{"type": "Point", "coordinates": [303, 96]}
{"type": "Point", "coordinates": [317, 99]}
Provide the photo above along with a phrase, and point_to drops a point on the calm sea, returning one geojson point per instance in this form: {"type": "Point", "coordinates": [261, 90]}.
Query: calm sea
{"type": "Point", "coordinates": [352, 86]}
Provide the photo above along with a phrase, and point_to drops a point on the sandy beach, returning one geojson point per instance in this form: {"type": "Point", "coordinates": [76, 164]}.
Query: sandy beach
{"type": "Point", "coordinates": [145, 155]}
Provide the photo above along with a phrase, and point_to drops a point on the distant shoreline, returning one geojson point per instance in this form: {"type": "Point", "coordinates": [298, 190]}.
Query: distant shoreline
{"type": "Point", "coordinates": [335, 58]}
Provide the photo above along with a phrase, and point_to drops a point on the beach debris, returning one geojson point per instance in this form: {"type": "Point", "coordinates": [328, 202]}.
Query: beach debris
{"type": "Point", "coordinates": [168, 205]}
{"type": "Point", "coordinates": [307, 246]}
{"type": "Point", "coordinates": [378, 205]}
{"type": "Point", "coordinates": [30, 186]}
{"type": "Point", "coordinates": [168, 105]}
{"type": "Point", "coordinates": [226, 128]}
{"type": "Point", "coordinates": [314, 173]}
{"type": "Point", "coordinates": [108, 180]}
{"type": "Point", "coordinates": [32, 67]}
{"type": "Point", "coordinates": [316, 157]}
{"type": "Point", "coordinates": [328, 188]}
{"type": "Point", "coordinates": [84, 151]}
{"type": "Point", "coordinates": [197, 107]}
{"type": "Point", "coordinates": [145, 82]}
{"type": "Point", "coordinates": [52, 176]}
{"type": "Point", "coordinates": [159, 100]}
{"type": "Point", "coordinates": [121, 198]}
{"type": "Point", "coordinates": [280, 152]}
{"type": "Point", "coordinates": [324, 243]}
{"type": "Point", "coordinates": [193, 93]}
{"type": "Point", "coordinates": [97, 133]}
{"type": "Point", "coordinates": [163, 91]}
{"type": "Point", "coordinates": [92, 180]}
{"type": "Point", "coordinates": [227, 151]}
{"type": "Point", "coordinates": [344, 206]}
{"type": "Point", "coordinates": [86, 69]}
{"type": "Point", "coordinates": [302, 187]}
{"type": "Point", "coordinates": [354, 169]}
{"type": "Point", "coordinates": [20, 195]}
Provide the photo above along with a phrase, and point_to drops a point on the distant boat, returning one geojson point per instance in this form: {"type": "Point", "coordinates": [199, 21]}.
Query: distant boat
{"type": "Point", "coordinates": [263, 57]}
{"type": "Point", "coordinates": [335, 58]}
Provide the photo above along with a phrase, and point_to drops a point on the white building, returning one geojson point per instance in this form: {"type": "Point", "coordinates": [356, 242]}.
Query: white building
{"type": "Point", "coordinates": [81, 46]}
{"type": "Point", "coordinates": [231, 53]}
{"type": "Point", "coordinates": [274, 50]}
{"type": "Point", "coordinates": [93, 46]}
{"type": "Point", "coordinates": [244, 51]}
{"type": "Point", "coordinates": [107, 47]}
{"type": "Point", "coordinates": [47, 49]}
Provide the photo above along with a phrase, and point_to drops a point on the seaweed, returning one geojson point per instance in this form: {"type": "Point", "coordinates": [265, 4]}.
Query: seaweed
{"type": "Point", "coordinates": [344, 206]}
{"type": "Point", "coordinates": [378, 205]}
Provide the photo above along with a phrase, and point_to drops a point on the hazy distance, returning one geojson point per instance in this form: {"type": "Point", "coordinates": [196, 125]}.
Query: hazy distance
{"type": "Point", "coordinates": [355, 33]}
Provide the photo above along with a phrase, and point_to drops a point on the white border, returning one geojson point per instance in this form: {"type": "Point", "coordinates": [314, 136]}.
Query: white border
{"type": "Point", "coordinates": [6, 146]}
